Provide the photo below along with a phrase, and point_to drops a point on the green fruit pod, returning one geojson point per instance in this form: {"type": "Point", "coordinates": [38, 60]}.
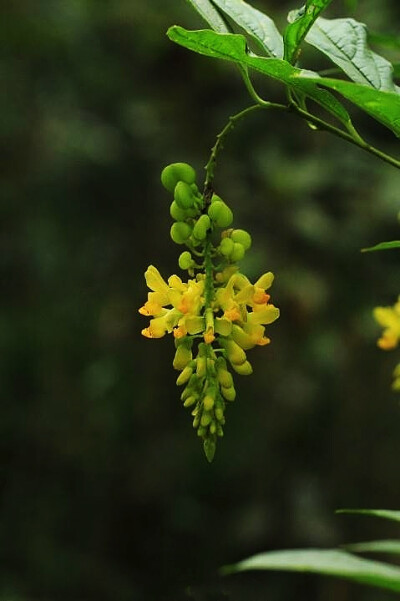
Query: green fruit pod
{"type": "Point", "coordinates": [183, 195]}
{"type": "Point", "coordinates": [185, 260]}
{"type": "Point", "coordinates": [201, 226]}
{"type": "Point", "coordinates": [220, 213]}
{"type": "Point", "coordinates": [237, 252]}
{"type": "Point", "coordinates": [226, 247]}
{"type": "Point", "coordinates": [242, 237]}
{"type": "Point", "coordinates": [177, 172]}
{"type": "Point", "coordinates": [176, 212]}
{"type": "Point", "coordinates": [180, 232]}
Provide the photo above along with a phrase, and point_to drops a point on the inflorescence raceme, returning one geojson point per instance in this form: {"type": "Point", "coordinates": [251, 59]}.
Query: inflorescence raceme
{"type": "Point", "coordinates": [218, 314]}
{"type": "Point", "coordinates": [389, 319]}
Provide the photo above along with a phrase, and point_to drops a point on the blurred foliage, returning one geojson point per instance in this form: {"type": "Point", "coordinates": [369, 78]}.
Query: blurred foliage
{"type": "Point", "coordinates": [105, 494]}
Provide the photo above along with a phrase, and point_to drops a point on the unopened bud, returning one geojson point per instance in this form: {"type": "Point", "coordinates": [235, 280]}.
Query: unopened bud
{"type": "Point", "coordinates": [237, 253]}
{"type": "Point", "coordinates": [176, 212]}
{"type": "Point", "coordinates": [172, 174]}
{"type": "Point", "coordinates": [201, 366]}
{"type": "Point", "coordinates": [228, 393]}
{"type": "Point", "coordinates": [209, 447]}
{"type": "Point", "coordinates": [220, 213]}
{"type": "Point", "coordinates": [182, 357]}
{"type": "Point", "coordinates": [244, 369]}
{"type": "Point", "coordinates": [205, 419]}
{"type": "Point", "coordinates": [184, 376]}
{"type": "Point", "coordinates": [185, 260]}
{"type": "Point", "coordinates": [235, 353]}
{"type": "Point", "coordinates": [242, 237]}
{"type": "Point", "coordinates": [226, 247]}
{"type": "Point", "coordinates": [190, 401]}
{"type": "Point", "coordinates": [180, 232]}
{"type": "Point", "coordinates": [201, 226]}
{"type": "Point", "coordinates": [183, 195]}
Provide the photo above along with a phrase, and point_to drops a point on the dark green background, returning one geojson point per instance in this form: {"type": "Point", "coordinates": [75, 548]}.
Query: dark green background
{"type": "Point", "coordinates": [105, 492]}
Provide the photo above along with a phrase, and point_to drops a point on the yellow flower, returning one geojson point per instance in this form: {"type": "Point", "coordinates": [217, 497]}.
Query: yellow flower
{"type": "Point", "coordinates": [186, 300]}
{"type": "Point", "coordinates": [389, 319]}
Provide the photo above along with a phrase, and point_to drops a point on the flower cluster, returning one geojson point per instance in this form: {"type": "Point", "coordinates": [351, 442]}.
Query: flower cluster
{"type": "Point", "coordinates": [218, 314]}
{"type": "Point", "coordinates": [389, 319]}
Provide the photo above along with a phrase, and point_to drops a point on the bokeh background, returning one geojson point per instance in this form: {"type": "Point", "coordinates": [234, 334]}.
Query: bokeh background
{"type": "Point", "coordinates": [105, 492]}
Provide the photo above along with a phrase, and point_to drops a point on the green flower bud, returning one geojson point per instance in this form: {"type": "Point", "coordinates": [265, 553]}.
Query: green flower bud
{"type": "Point", "coordinates": [185, 260]}
{"type": "Point", "coordinates": [183, 356]}
{"type": "Point", "coordinates": [220, 431]}
{"type": "Point", "coordinates": [242, 237]}
{"type": "Point", "coordinates": [220, 213]}
{"type": "Point", "coordinates": [237, 253]}
{"type": "Point", "coordinates": [196, 421]}
{"type": "Point", "coordinates": [208, 402]}
{"type": "Point", "coordinates": [219, 413]}
{"type": "Point", "coordinates": [201, 432]}
{"type": "Point", "coordinates": [213, 428]}
{"type": "Point", "coordinates": [205, 419]}
{"type": "Point", "coordinates": [226, 247]}
{"type": "Point", "coordinates": [176, 212]}
{"type": "Point", "coordinates": [180, 232]}
{"type": "Point", "coordinates": [190, 401]}
{"type": "Point", "coordinates": [224, 377]}
{"type": "Point", "coordinates": [209, 446]}
{"type": "Point", "coordinates": [184, 376]}
{"type": "Point", "coordinates": [228, 393]}
{"type": "Point", "coordinates": [244, 369]}
{"type": "Point", "coordinates": [195, 190]}
{"type": "Point", "coordinates": [201, 226]}
{"type": "Point", "coordinates": [201, 367]}
{"type": "Point", "coordinates": [235, 353]}
{"type": "Point", "coordinates": [176, 172]}
{"type": "Point", "coordinates": [184, 196]}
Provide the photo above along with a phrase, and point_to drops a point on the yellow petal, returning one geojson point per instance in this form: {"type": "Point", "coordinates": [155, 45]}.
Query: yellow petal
{"type": "Point", "coordinates": [175, 281]}
{"type": "Point", "coordinates": [194, 324]}
{"type": "Point", "coordinates": [245, 295]}
{"type": "Point", "coordinates": [265, 281]}
{"type": "Point", "coordinates": [223, 326]}
{"type": "Point", "coordinates": [269, 314]}
{"type": "Point", "coordinates": [155, 281]}
{"type": "Point", "coordinates": [242, 338]}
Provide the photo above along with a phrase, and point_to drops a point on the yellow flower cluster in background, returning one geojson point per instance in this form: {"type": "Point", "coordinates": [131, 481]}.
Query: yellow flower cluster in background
{"type": "Point", "coordinates": [389, 319]}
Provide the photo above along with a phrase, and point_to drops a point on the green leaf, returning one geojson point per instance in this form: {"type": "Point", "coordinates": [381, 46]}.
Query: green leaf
{"type": "Point", "coordinates": [300, 23]}
{"type": "Point", "coordinates": [232, 47]}
{"type": "Point", "coordinates": [210, 14]}
{"type": "Point", "coordinates": [344, 41]}
{"type": "Point", "coordinates": [382, 106]}
{"type": "Point", "coordinates": [386, 514]}
{"type": "Point", "coordinates": [256, 24]}
{"type": "Point", "coordinates": [382, 246]}
{"type": "Point", "coordinates": [376, 546]}
{"type": "Point", "coordinates": [328, 562]}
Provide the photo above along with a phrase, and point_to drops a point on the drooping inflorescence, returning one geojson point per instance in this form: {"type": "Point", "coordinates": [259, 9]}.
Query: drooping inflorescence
{"type": "Point", "coordinates": [218, 314]}
{"type": "Point", "coordinates": [389, 319]}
